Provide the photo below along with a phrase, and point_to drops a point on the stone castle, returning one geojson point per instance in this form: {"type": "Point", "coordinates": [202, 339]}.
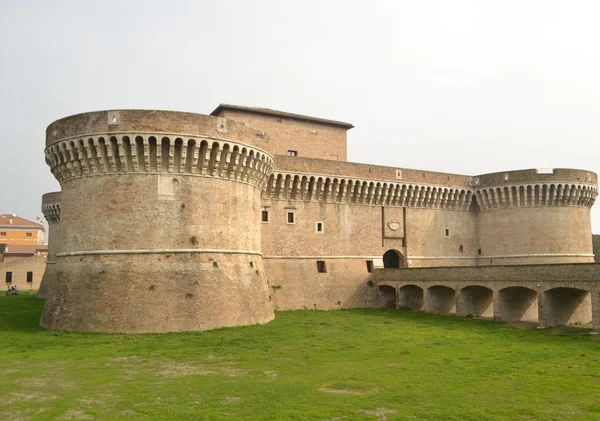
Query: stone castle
{"type": "Point", "coordinates": [172, 221]}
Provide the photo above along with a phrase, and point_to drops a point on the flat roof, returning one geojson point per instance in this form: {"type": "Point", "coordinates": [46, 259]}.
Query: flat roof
{"type": "Point", "coordinates": [268, 111]}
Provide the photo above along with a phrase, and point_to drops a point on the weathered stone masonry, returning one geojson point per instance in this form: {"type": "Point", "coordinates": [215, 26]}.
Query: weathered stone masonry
{"type": "Point", "coordinates": [158, 224]}
{"type": "Point", "coordinates": [207, 221]}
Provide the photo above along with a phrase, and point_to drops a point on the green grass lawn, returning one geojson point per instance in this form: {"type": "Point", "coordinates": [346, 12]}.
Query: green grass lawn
{"type": "Point", "coordinates": [340, 365]}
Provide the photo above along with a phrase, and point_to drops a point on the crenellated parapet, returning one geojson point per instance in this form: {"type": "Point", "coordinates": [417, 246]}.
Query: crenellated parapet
{"type": "Point", "coordinates": [51, 207]}
{"type": "Point", "coordinates": [287, 185]}
{"type": "Point", "coordinates": [533, 188]}
{"type": "Point", "coordinates": [157, 153]}
{"type": "Point", "coordinates": [283, 185]}
{"type": "Point", "coordinates": [541, 194]}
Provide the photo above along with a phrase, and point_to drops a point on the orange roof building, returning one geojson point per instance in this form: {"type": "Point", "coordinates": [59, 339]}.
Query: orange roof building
{"type": "Point", "coordinates": [15, 230]}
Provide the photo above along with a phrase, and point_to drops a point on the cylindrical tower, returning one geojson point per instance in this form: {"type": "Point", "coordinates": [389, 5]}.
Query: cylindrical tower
{"type": "Point", "coordinates": [51, 211]}
{"type": "Point", "coordinates": [535, 217]}
{"type": "Point", "coordinates": [160, 222]}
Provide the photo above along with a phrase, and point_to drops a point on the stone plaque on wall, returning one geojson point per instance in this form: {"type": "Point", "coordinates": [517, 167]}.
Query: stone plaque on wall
{"type": "Point", "coordinates": [393, 223]}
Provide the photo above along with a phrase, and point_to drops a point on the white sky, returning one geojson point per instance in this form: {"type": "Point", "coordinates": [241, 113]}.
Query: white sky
{"type": "Point", "coordinates": [467, 87]}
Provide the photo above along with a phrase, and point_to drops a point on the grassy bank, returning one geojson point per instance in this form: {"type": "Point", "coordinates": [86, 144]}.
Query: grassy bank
{"type": "Point", "coordinates": [342, 365]}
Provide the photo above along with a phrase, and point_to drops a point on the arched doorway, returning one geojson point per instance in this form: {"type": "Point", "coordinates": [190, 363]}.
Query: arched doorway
{"type": "Point", "coordinates": [392, 259]}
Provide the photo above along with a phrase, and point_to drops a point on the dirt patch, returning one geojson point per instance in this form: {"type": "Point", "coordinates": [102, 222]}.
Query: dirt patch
{"type": "Point", "coordinates": [231, 399]}
{"type": "Point", "coordinates": [342, 391]}
{"type": "Point", "coordinates": [76, 414]}
{"type": "Point", "coordinates": [380, 413]}
{"type": "Point", "coordinates": [184, 370]}
{"type": "Point", "coordinates": [271, 374]}
{"type": "Point", "coordinates": [15, 397]}
{"type": "Point", "coordinates": [130, 358]}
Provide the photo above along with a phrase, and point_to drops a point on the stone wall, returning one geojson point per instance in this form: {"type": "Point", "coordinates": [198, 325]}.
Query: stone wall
{"type": "Point", "coordinates": [309, 139]}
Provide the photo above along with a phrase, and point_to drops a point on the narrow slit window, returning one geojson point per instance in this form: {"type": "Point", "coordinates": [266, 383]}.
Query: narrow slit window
{"type": "Point", "coordinates": [291, 218]}
{"type": "Point", "coordinates": [447, 232]}
{"type": "Point", "coordinates": [265, 216]}
{"type": "Point", "coordinates": [479, 252]}
{"type": "Point", "coordinates": [321, 268]}
{"type": "Point", "coordinates": [319, 227]}
{"type": "Point", "coordinates": [461, 248]}
{"type": "Point", "coordinates": [29, 277]}
{"type": "Point", "coordinates": [369, 266]}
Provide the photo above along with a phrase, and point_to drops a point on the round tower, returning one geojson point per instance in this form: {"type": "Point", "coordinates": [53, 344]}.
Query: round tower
{"type": "Point", "coordinates": [160, 222]}
{"type": "Point", "coordinates": [535, 216]}
{"type": "Point", "coordinates": [51, 211]}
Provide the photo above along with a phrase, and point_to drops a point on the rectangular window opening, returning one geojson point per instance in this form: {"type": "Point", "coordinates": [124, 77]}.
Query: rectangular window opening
{"type": "Point", "coordinates": [265, 216]}
{"type": "Point", "coordinates": [8, 277]}
{"type": "Point", "coordinates": [29, 234]}
{"type": "Point", "coordinates": [461, 248]}
{"type": "Point", "coordinates": [479, 252]}
{"type": "Point", "coordinates": [321, 268]}
{"type": "Point", "coordinates": [319, 227]}
{"type": "Point", "coordinates": [292, 153]}
{"type": "Point", "coordinates": [3, 234]}
{"type": "Point", "coordinates": [29, 277]}
{"type": "Point", "coordinates": [290, 218]}
{"type": "Point", "coordinates": [369, 266]}
{"type": "Point", "coordinates": [447, 232]}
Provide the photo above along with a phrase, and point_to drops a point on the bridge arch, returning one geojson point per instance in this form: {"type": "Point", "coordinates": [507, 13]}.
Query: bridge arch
{"type": "Point", "coordinates": [441, 300]}
{"type": "Point", "coordinates": [411, 296]}
{"type": "Point", "coordinates": [518, 304]}
{"type": "Point", "coordinates": [387, 295]}
{"type": "Point", "coordinates": [476, 300]}
{"type": "Point", "coordinates": [564, 306]}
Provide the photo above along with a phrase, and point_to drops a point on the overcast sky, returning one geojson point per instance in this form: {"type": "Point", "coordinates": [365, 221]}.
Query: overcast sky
{"type": "Point", "coordinates": [466, 87]}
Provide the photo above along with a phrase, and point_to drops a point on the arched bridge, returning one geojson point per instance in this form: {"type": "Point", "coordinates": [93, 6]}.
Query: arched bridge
{"type": "Point", "coordinates": [550, 295]}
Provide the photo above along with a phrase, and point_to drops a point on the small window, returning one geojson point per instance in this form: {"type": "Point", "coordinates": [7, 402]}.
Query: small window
{"type": "Point", "coordinates": [265, 216]}
{"type": "Point", "coordinates": [319, 227]}
{"type": "Point", "coordinates": [321, 268]}
{"type": "Point", "coordinates": [460, 248]}
{"type": "Point", "coordinates": [369, 266]}
{"type": "Point", "coordinates": [29, 234]}
{"type": "Point", "coordinates": [3, 234]}
{"type": "Point", "coordinates": [479, 252]}
{"type": "Point", "coordinates": [447, 232]}
{"type": "Point", "coordinates": [8, 277]}
{"type": "Point", "coordinates": [29, 277]}
{"type": "Point", "coordinates": [292, 153]}
{"type": "Point", "coordinates": [290, 218]}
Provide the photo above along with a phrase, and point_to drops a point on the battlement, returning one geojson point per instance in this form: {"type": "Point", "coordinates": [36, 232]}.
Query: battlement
{"type": "Point", "coordinates": [51, 207]}
{"type": "Point", "coordinates": [284, 185]}
{"type": "Point", "coordinates": [537, 176]}
{"type": "Point", "coordinates": [202, 146]}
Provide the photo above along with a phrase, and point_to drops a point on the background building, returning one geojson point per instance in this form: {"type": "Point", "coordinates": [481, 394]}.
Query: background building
{"type": "Point", "coordinates": [22, 252]}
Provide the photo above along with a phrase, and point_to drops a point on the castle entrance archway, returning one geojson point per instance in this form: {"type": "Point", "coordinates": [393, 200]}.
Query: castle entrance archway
{"type": "Point", "coordinates": [393, 259]}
